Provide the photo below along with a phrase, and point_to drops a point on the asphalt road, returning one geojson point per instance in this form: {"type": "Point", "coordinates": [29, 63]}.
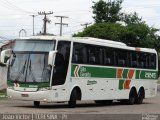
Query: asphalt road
{"type": "Point", "coordinates": [89, 108]}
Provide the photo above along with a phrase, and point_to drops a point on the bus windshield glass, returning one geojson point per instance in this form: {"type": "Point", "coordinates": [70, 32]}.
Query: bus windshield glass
{"type": "Point", "coordinates": [29, 61]}
{"type": "Point", "coordinates": [27, 67]}
{"type": "Point", "coordinates": [34, 45]}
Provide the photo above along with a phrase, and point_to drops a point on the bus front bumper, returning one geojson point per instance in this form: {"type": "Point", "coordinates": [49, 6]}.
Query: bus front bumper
{"type": "Point", "coordinates": [44, 96]}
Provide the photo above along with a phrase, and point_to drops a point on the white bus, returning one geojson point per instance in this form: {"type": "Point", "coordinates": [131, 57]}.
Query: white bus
{"type": "Point", "coordinates": [59, 69]}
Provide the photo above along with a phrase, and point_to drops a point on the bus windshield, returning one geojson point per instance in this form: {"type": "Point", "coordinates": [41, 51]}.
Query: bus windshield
{"type": "Point", "coordinates": [34, 45]}
{"type": "Point", "coordinates": [29, 62]}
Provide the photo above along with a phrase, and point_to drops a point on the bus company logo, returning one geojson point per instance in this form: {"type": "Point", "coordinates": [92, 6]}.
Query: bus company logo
{"type": "Point", "coordinates": [16, 84]}
{"type": "Point", "coordinates": [76, 71]}
{"type": "Point", "coordinates": [81, 72]}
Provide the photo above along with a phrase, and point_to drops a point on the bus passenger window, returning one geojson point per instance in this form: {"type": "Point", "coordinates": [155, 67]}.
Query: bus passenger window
{"type": "Point", "coordinates": [77, 57]}
{"type": "Point", "coordinates": [121, 56]}
{"type": "Point", "coordinates": [109, 56]}
{"type": "Point", "coordinates": [79, 53]}
{"type": "Point", "coordinates": [94, 55]}
{"type": "Point", "coordinates": [134, 62]}
{"type": "Point", "coordinates": [142, 60]}
{"type": "Point", "coordinates": [92, 58]}
{"type": "Point", "coordinates": [152, 61]}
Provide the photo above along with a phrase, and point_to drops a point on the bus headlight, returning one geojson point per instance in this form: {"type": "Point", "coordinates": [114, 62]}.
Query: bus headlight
{"type": "Point", "coordinates": [10, 87]}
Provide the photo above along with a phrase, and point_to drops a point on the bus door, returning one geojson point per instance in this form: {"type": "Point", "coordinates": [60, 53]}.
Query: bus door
{"type": "Point", "coordinates": [61, 63]}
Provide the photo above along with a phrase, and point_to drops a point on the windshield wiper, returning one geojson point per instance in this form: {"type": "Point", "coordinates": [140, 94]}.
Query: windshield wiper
{"type": "Point", "coordinates": [31, 71]}
{"type": "Point", "coordinates": [12, 58]}
{"type": "Point", "coordinates": [21, 71]}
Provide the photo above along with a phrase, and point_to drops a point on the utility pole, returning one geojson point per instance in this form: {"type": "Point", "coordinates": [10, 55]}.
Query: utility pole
{"type": "Point", "coordinates": [45, 20]}
{"type": "Point", "coordinates": [61, 23]}
{"type": "Point", "coordinates": [33, 22]}
{"type": "Point", "coordinates": [86, 24]}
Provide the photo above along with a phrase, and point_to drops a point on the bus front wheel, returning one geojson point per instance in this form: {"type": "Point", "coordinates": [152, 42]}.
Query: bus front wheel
{"type": "Point", "coordinates": [73, 98]}
{"type": "Point", "coordinates": [36, 103]}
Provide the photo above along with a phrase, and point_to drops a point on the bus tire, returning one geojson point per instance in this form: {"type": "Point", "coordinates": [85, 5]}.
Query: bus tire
{"type": "Point", "coordinates": [99, 101]}
{"type": "Point", "coordinates": [109, 102]}
{"type": "Point", "coordinates": [73, 98]}
{"type": "Point", "coordinates": [140, 96]}
{"type": "Point", "coordinates": [132, 97]}
{"type": "Point", "coordinates": [104, 102]}
{"type": "Point", "coordinates": [36, 103]}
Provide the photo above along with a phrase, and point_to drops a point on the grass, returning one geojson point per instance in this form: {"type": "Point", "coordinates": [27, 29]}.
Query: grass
{"type": "Point", "coordinates": [3, 94]}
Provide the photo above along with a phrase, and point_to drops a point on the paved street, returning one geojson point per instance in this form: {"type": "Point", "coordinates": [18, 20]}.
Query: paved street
{"type": "Point", "coordinates": [150, 106]}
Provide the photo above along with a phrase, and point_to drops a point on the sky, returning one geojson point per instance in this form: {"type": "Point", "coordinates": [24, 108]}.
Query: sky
{"type": "Point", "coordinates": [16, 15]}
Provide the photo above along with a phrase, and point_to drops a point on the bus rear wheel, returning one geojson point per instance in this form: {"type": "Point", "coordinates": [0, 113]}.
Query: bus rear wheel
{"type": "Point", "coordinates": [132, 97]}
{"type": "Point", "coordinates": [140, 97]}
{"type": "Point", "coordinates": [73, 98]}
{"type": "Point", "coordinates": [36, 103]}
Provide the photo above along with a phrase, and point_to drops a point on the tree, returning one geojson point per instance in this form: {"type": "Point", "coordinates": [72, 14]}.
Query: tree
{"type": "Point", "coordinates": [109, 31]}
{"type": "Point", "coordinates": [131, 18]}
{"type": "Point", "coordinates": [139, 35]}
{"type": "Point", "coordinates": [111, 24]}
{"type": "Point", "coordinates": [107, 11]}
{"type": "Point", "coordinates": [136, 35]}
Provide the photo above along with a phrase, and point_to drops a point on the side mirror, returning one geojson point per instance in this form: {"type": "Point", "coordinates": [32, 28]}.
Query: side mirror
{"type": "Point", "coordinates": [51, 57]}
{"type": "Point", "coordinates": [5, 55]}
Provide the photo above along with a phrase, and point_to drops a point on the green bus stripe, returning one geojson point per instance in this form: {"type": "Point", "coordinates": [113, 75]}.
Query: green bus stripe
{"type": "Point", "coordinates": [29, 85]}
{"type": "Point", "coordinates": [137, 74]}
{"type": "Point", "coordinates": [121, 82]}
{"type": "Point", "coordinates": [104, 72]}
{"type": "Point", "coordinates": [125, 73]}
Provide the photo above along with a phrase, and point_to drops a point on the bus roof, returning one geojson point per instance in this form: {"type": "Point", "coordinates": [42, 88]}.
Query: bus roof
{"type": "Point", "coordinates": [90, 40]}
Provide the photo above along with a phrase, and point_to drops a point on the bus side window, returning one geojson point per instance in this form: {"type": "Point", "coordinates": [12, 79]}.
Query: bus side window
{"type": "Point", "coordinates": [142, 60]}
{"type": "Point", "coordinates": [147, 61]}
{"type": "Point", "coordinates": [94, 55]}
{"type": "Point", "coordinates": [109, 57]}
{"type": "Point", "coordinates": [129, 59]}
{"type": "Point", "coordinates": [152, 61]}
{"type": "Point", "coordinates": [134, 62]}
{"type": "Point", "coordinates": [79, 53]}
{"type": "Point", "coordinates": [121, 56]}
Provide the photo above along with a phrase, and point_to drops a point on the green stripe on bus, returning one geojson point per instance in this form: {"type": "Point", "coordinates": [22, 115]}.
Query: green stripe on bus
{"type": "Point", "coordinates": [101, 72]}
{"type": "Point", "coordinates": [121, 84]}
{"type": "Point", "coordinates": [125, 73]}
{"type": "Point", "coordinates": [88, 71]}
{"type": "Point", "coordinates": [147, 75]}
{"type": "Point", "coordinates": [28, 85]}
{"type": "Point", "coordinates": [138, 74]}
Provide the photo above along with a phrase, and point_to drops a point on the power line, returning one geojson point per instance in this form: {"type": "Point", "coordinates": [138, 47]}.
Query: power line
{"type": "Point", "coordinates": [61, 23]}
{"type": "Point", "coordinates": [73, 31]}
{"type": "Point", "coordinates": [143, 6]}
{"type": "Point", "coordinates": [86, 24]}
{"type": "Point", "coordinates": [11, 6]}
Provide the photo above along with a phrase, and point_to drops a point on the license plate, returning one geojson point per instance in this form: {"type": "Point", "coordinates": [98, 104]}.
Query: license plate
{"type": "Point", "coordinates": [24, 95]}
